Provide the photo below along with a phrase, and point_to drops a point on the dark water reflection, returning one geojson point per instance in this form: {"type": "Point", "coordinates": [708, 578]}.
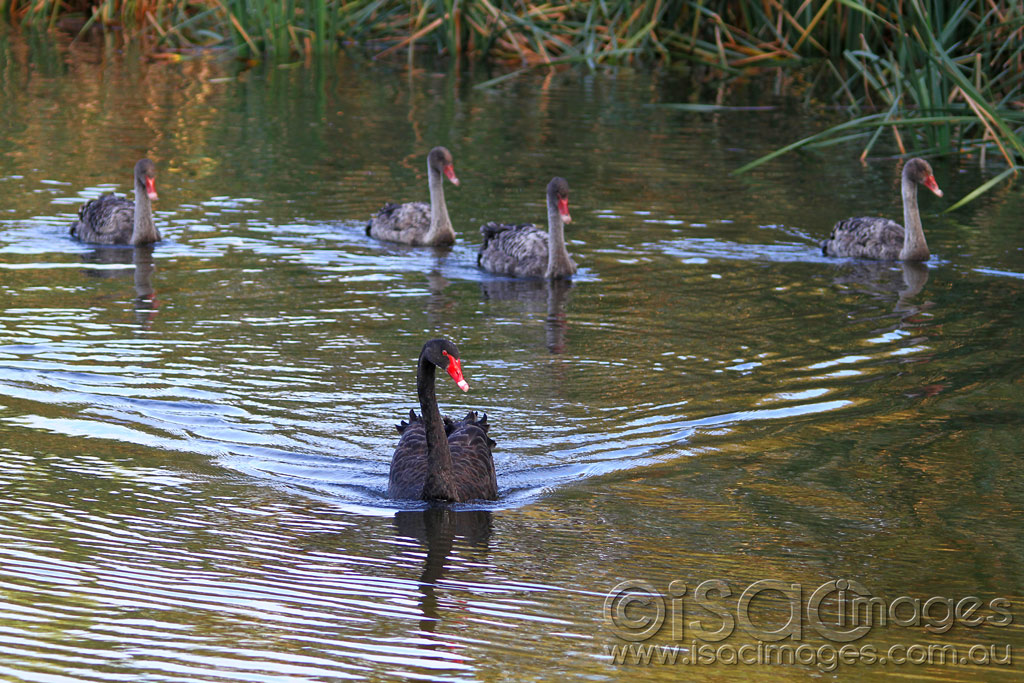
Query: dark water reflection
{"type": "Point", "coordinates": [139, 262]}
{"type": "Point", "coordinates": [436, 528]}
{"type": "Point", "coordinates": [198, 434]}
{"type": "Point", "coordinates": [545, 299]}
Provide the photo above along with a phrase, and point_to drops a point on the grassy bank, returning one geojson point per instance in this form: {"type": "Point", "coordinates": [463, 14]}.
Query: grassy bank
{"type": "Point", "coordinates": [935, 77]}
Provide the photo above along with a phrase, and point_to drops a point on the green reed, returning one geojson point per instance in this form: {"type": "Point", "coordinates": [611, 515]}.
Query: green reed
{"type": "Point", "coordinates": [940, 77]}
{"type": "Point", "coordinates": [932, 76]}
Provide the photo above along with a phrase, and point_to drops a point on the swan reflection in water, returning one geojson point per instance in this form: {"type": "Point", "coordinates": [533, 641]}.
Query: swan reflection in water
{"type": "Point", "coordinates": [543, 297]}
{"type": "Point", "coordinates": [436, 528]}
{"type": "Point", "coordinates": [882, 279]}
{"type": "Point", "coordinates": [141, 259]}
{"type": "Point", "coordinates": [906, 280]}
{"type": "Point", "coordinates": [546, 298]}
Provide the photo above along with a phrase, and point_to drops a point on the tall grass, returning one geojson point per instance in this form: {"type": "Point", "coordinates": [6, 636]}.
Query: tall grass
{"type": "Point", "coordinates": [934, 76]}
{"type": "Point", "coordinates": [939, 77]}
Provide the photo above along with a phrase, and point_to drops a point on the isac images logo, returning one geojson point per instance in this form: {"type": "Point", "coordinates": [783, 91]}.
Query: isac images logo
{"type": "Point", "coordinates": [773, 618]}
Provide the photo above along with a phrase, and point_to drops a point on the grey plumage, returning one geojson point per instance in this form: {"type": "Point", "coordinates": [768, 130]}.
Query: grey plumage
{"type": "Point", "coordinates": [418, 223]}
{"type": "Point", "coordinates": [110, 219]}
{"type": "Point", "coordinates": [526, 251]}
{"type": "Point", "coordinates": [400, 222]}
{"type": "Point", "coordinates": [516, 250]}
{"type": "Point", "coordinates": [865, 237]}
{"type": "Point", "coordinates": [882, 238]}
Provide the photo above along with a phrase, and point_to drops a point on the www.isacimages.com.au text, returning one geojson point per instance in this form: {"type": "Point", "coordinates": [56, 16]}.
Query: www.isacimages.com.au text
{"type": "Point", "coordinates": [825, 657]}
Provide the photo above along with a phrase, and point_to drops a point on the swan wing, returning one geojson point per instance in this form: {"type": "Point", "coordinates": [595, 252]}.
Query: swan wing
{"type": "Point", "coordinates": [409, 463]}
{"type": "Point", "coordinates": [865, 237]}
{"type": "Point", "coordinates": [405, 223]}
{"type": "Point", "coordinates": [471, 458]}
{"type": "Point", "coordinates": [472, 461]}
{"type": "Point", "coordinates": [517, 250]}
{"type": "Point", "coordinates": [108, 219]}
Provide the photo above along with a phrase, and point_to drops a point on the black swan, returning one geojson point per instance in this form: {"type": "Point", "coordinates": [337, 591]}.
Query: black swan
{"type": "Point", "coordinates": [881, 238]}
{"type": "Point", "coordinates": [437, 458]}
{"type": "Point", "coordinates": [110, 219]}
{"type": "Point", "coordinates": [525, 250]}
{"type": "Point", "coordinates": [415, 222]}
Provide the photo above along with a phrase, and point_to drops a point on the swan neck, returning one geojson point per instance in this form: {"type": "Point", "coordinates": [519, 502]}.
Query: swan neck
{"type": "Point", "coordinates": [559, 262]}
{"type": "Point", "coordinates": [915, 248]}
{"type": "Point", "coordinates": [440, 225]}
{"type": "Point", "coordinates": [439, 480]}
{"type": "Point", "coordinates": [143, 229]}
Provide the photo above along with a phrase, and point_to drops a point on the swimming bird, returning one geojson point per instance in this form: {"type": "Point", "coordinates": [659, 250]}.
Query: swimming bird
{"type": "Point", "coordinates": [525, 250]}
{"type": "Point", "coordinates": [881, 238]}
{"type": "Point", "coordinates": [438, 458]}
{"type": "Point", "coordinates": [415, 222]}
{"type": "Point", "coordinates": [110, 219]}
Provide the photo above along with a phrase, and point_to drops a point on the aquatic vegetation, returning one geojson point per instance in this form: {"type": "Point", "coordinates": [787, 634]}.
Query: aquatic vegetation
{"type": "Point", "coordinates": [948, 76]}
{"type": "Point", "coordinates": [945, 74]}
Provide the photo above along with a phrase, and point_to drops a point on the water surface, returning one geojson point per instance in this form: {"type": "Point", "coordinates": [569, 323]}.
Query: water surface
{"type": "Point", "coordinates": [197, 435]}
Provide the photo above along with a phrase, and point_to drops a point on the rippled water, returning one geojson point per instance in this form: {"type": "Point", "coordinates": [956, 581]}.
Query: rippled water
{"type": "Point", "coordinates": [197, 435]}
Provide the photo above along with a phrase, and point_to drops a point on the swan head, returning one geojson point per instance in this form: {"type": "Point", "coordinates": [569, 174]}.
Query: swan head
{"type": "Point", "coordinates": [440, 160]}
{"type": "Point", "coordinates": [558, 196]}
{"type": "Point", "coordinates": [445, 354]}
{"type": "Point", "coordinates": [145, 177]}
{"type": "Point", "coordinates": [920, 171]}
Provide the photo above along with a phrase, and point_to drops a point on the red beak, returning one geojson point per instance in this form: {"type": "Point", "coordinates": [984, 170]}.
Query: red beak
{"type": "Point", "coordinates": [930, 183]}
{"type": "Point", "coordinates": [151, 188]}
{"type": "Point", "coordinates": [563, 210]}
{"type": "Point", "coordinates": [455, 370]}
{"type": "Point", "coordinates": [449, 172]}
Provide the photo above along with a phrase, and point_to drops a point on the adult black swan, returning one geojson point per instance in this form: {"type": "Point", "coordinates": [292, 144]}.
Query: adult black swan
{"type": "Point", "coordinates": [437, 458]}
{"type": "Point", "coordinates": [881, 238]}
{"type": "Point", "coordinates": [525, 250]}
{"type": "Point", "coordinates": [415, 222]}
{"type": "Point", "coordinates": [110, 219]}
